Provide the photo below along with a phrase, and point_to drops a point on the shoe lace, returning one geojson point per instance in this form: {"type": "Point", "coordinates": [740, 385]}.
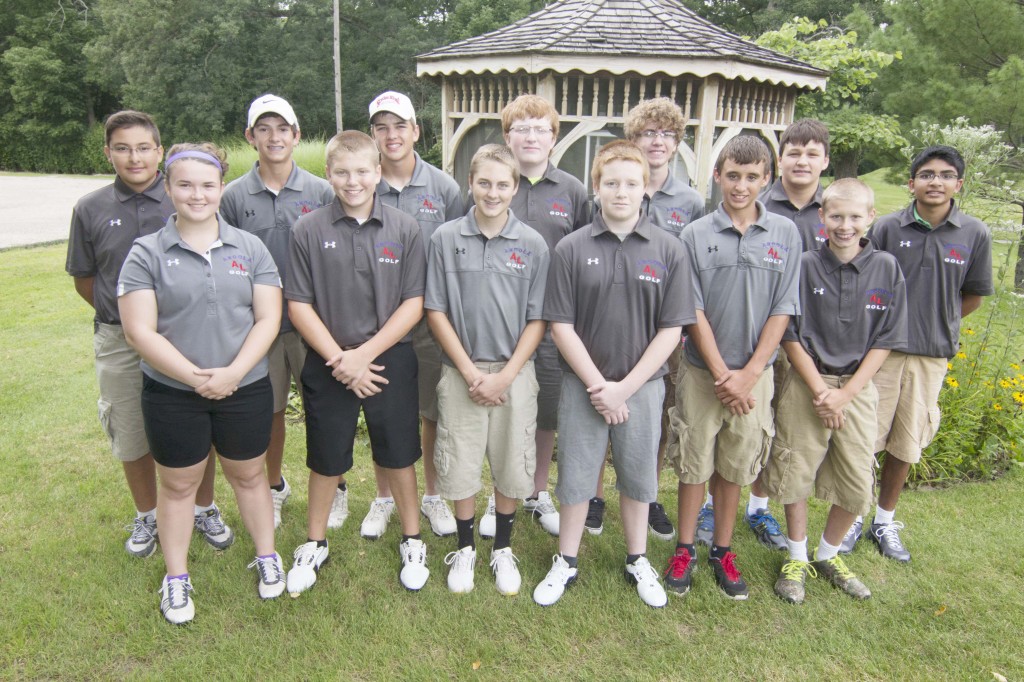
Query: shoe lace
{"type": "Point", "coordinates": [463, 561]}
{"type": "Point", "coordinates": [767, 523]}
{"type": "Point", "coordinates": [656, 514]}
{"type": "Point", "coordinates": [644, 572]}
{"type": "Point", "coordinates": [890, 532]}
{"type": "Point", "coordinates": [560, 569]}
{"type": "Point", "coordinates": [141, 531]}
{"type": "Point", "coordinates": [678, 563]}
{"type": "Point", "coordinates": [414, 551]}
{"type": "Point", "coordinates": [269, 569]}
{"type": "Point", "coordinates": [595, 513]}
{"type": "Point", "coordinates": [839, 566]}
{"type": "Point", "coordinates": [490, 506]}
{"type": "Point", "coordinates": [211, 523]}
{"type": "Point", "coordinates": [852, 533]}
{"type": "Point", "coordinates": [177, 593]}
{"type": "Point", "coordinates": [732, 571]}
{"type": "Point", "coordinates": [544, 505]}
{"type": "Point", "coordinates": [503, 561]}
{"type": "Point", "coordinates": [437, 508]}
{"type": "Point", "coordinates": [340, 503]}
{"type": "Point", "coordinates": [705, 518]}
{"type": "Point", "coordinates": [378, 510]}
{"type": "Point", "coordinates": [305, 554]}
{"type": "Point", "coordinates": [794, 569]}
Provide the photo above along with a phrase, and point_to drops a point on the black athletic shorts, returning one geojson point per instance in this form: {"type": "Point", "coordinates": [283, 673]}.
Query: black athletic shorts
{"type": "Point", "coordinates": [332, 414]}
{"type": "Point", "coordinates": [182, 425]}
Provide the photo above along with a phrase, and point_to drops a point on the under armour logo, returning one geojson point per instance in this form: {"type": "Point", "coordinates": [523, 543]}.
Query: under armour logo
{"type": "Point", "coordinates": [906, 243]}
{"type": "Point", "coordinates": [460, 252]}
{"type": "Point", "coordinates": [712, 248]}
{"type": "Point", "coordinates": [593, 261]}
{"type": "Point", "coordinates": [819, 292]}
{"type": "Point", "coordinates": [116, 221]}
{"type": "Point", "coordinates": [249, 213]}
{"type": "Point", "coordinates": [330, 245]}
{"type": "Point", "coordinates": [173, 261]}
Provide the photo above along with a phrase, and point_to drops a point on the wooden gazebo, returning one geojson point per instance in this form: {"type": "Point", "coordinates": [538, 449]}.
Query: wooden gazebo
{"type": "Point", "coordinates": [594, 60]}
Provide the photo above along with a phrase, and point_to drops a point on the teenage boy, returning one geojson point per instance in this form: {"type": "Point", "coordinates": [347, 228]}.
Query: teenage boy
{"type": "Point", "coordinates": [656, 126]}
{"type": "Point", "coordinates": [355, 288]}
{"type": "Point", "coordinates": [618, 295]}
{"type": "Point", "coordinates": [803, 156]}
{"type": "Point", "coordinates": [104, 225]}
{"type": "Point", "coordinates": [553, 203]}
{"type": "Point", "coordinates": [745, 262]}
{"type": "Point", "coordinates": [853, 313]}
{"type": "Point", "coordinates": [946, 257]}
{"type": "Point", "coordinates": [267, 201]}
{"type": "Point", "coordinates": [485, 298]}
{"type": "Point", "coordinates": [413, 186]}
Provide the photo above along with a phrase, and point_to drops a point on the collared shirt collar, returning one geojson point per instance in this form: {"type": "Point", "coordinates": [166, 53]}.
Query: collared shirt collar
{"type": "Point", "coordinates": [643, 227]}
{"type": "Point", "coordinates": [376, 213]}
{"type": "Point", "coordinates": [672, 186]}
{"type": "Point", "coordinates": [155, 190]}
{"type": "Point", "coordinates": [832, 263]}
{"type": "Point", "coordinates": [778, 193]}
{"type": "Point", "coordinates": [254, 183]}
{"type": "Point", "coordinates": [511, 230]}
{"type": "Point", "coordinates": [169, 236]}
{"type": "Point", "coordinates": [722, 222]}
{"type": "Point", "coordinates": [909, 216]}
{"type": "Point", "coordinates": [418, 178]}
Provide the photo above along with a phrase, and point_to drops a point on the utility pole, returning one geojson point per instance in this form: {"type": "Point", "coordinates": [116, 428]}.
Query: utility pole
{"type": "Point", "coordinates": [337, 66]}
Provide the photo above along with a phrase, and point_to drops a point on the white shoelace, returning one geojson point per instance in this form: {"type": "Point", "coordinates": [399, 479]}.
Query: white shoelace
{"type": "Point", "coordinates": [305, 554]}
{"type": "Point", "coordinates": [270, 570]}
{"type": "Point", "coordinates": [890, 532]}
{"type": "Point", "coordinates": [141, 531]}
{"type": "Point", "coordinates": [177, 593]}
{"type": "Point", "coordinates": [415, 552]}
{"type": "Point", "coordinates": [460, 561]}
{"type": "Point", "coordinates": [504, 561]}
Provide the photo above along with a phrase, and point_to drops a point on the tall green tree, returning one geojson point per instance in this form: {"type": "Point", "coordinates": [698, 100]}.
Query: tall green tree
{"type": "Point", "coordinates": [753, 17]}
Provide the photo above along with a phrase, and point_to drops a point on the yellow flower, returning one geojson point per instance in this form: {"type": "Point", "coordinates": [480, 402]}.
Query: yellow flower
{"type": "Point", "coordinates": [997, 407]}
{"type": "Point", "coordinates": [949, 365]}
{"type": "Point", "coordinates": [952, 382]}
{"type": "Point", "coordinates": [1003, 383]}
{"type": "Point", "coordinates": [1014, 366]}
{"type": "Point", "coordinates": [1018, 397]}
{"type": "Point", "coordinates": [989, 384]}
{"type": "Point", "coordinates": [969, 331]}
{"type": "Point", "coordinates": [962, 355]}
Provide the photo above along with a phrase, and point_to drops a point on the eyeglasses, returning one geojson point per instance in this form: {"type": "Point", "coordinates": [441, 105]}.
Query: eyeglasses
{"type": "Point", "coordinates": [539, 131]}
{"type": "Point", "coordinates": [667, 134]}
{"type": "Point", "coordinates": [928, 176]}
{"type": "Point", "coordinates": [125, 150]}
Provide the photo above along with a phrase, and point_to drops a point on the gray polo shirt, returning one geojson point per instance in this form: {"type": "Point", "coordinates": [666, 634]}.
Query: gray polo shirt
{"type": "Point", "coordinates": [355, 276]}
{"type": "Point", "coordinates": [249, 205]}
{"type": "Point", "coordinates": [555, 206]}
{"type": "Point", "coordinates": [808, 222]}
{"type": "Point", "coordinates": [104, 225]}
{"type": "Point", "coordinates": [674, 205]}
{"type": "Point", "coordinates": [489, 288]}
{"type": "Point", "coordinates": [849, 308]}
{"type": "Point", "coordinates": [617, 293]}
{"type": "Point", "coordinates": [940, 264]}
{"type": "Point", "coordinates": [204, 300]}
{"type": "Point", "coordinates": [432, 197]}
{"type": "Point", "coordinates": [740, 280]}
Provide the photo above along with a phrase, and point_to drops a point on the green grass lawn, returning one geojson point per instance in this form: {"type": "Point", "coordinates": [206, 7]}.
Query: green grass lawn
{"type": "Point", "coordinates": [76, 606]}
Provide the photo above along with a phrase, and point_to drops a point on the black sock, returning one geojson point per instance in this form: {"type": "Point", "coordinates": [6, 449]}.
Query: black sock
{"type": "Point", "coordinates": [319, 543]}
{"type": "Point", "coordinates": [719, 552]}
{"type": "Point", "coordinates": [279, 487]}
{"type": "Point", "coordinates": [343, 486]}
{"type": "Point", "coordinates": [503, 529]}
{"type": "Point", "coordinates": [631, 558]}
{"type": "Point", "coordinates": [689, 548]}
{"type": "Point", "coordinates": [571, 560]}
{"type": "Point", "coordinates": [406, 538]}
{"type": "Point", "coordinates": [465, 531]}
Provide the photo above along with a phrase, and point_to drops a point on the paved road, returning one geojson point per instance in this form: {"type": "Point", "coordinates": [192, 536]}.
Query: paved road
{"type": "Point", "coordinates": [35, 209]}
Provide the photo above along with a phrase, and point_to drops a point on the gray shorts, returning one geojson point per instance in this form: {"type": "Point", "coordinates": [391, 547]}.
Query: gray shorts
{"type": "Point", "coordinates": [286, 357]}
{"type": "Point", "coordinates": [428, 355]}
{"type": "Point", "coordinates": [549, 377]}
{"type": "Point", "coordinates": [584, 437]}
{"type": "Point", "coordinates": [120, 402]}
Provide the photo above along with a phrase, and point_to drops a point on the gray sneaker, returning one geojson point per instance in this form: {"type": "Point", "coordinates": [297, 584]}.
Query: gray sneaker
{"type": "Point", "coordinates": [790, 585]}
{"type": "Point", "coordinates": [887, 537]}
{"type": "Point", "coordinates": [213, 528]}
{"type": "Point", "coordinates": [142, 541]}
{"type": "Point", "coordinates": [706, 525]}
{"type": "Point", "coordinates": [851, 537]}
{"type": "Point", "coordinates": [836, 572]}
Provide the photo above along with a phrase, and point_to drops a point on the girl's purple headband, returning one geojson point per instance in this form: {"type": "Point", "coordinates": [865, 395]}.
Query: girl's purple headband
{"type": "Point", "coordinates": [193, 154]}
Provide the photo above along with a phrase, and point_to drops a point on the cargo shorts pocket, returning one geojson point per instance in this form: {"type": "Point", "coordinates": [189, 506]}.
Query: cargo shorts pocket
{"type": "Point", "coordinates": [931, 426]}
{"type": "Point", "coordinates": [106, 420]}
{"type": "Point", "coordinates": [767, 435]}
{"type": "Point", "coordinates": [442, 447]}
{"type": "Point", "coordinates": [530, 443]}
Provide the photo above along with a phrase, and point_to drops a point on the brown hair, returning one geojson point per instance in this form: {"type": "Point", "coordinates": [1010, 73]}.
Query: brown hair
{"type": "Point", "coordinates": [802, 132]}
{"type": "Point", "coordinates": [205, 147]}
{"type": "Point", "coordinates": [743, 150]}
{"type": "Point", "coordinates": [497, 153]}
{"type": "Point", "coordinates": [130, 119]}
{"type": "Point", "coordinates": [661, 112]}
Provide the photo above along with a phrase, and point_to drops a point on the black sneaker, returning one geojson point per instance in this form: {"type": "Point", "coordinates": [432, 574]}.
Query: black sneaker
{"type": "Point", "coordinates": [658, 523]}
{"type": "Point", "coordinates": [679, 573]}
{"type": "Point", "coordinates": [728, 577]}
{"type": "Point", "coordinates": [595, 516]}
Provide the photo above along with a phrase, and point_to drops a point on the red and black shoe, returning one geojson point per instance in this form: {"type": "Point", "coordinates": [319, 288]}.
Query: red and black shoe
{"type": "Point", "coordinates": [728, 577]}
{"type": "Point", "coordinates": [679, 573]}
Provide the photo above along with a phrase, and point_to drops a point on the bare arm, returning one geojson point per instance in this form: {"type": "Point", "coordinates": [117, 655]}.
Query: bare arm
{"type": "Point", "coordinates": [969, 303]}
{"type": "Point", "coordinates": [350, 366]}
{"type": "Point", "coordinates": [611, 395]}
{"type": "Point", "coordinates": [735, 389]}
{"type": "Point", "coordinates": [490, 388]}
{"type": "Point", "coordinates": [834, 400]}
{"type": "Point", "coordinates": [84, 287]}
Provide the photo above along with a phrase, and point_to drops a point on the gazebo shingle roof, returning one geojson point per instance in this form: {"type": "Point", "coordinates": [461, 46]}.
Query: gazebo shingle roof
{"type": "Point", "coordinates": [647, 28]}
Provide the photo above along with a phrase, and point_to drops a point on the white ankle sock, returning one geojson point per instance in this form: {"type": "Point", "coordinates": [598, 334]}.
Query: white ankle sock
{"type": "Point", "coordinates": [200, 510]}
{"type": "Point", "coordinates": [883, 516]}
{"type": "Point", "coordinates": [797, 549]}
{"type": "Point", "coordinates": [143, 514]}
{"type": "Point", "coordinates": [710, 502]}
{"type": "Point", "coordinates": [431, 498]}
{"type": "Point", "coordinates": [825, 551]}
{"type": "Point", "coordinates": [386, 499]}
{"type": "Point", "coordinates": [756, 503]}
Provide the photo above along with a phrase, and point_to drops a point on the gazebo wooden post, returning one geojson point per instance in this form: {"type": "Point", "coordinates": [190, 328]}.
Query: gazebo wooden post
{"type": "Point", "coordinates": [704, 139]}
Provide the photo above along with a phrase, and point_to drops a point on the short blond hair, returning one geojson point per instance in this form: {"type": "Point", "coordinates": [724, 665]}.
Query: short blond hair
{"type": "Point", "coordinates": [848, 189]}
{"type": "Point", "coordinates": [498, 153]}
{"type": "Point", "coordinates": [660, 112]}
{"type": "Point", "coordinates": [528, 106]}
{"type": "Point", "coordinates": [352, 142]}
{"type": "Point", "coordinates": [619, 150]}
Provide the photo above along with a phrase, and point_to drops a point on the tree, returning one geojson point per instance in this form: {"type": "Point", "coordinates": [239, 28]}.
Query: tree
{"type": "Point", "coordinates": [753, 17]}
{"type": "Point", "coordinates": [853, 128]}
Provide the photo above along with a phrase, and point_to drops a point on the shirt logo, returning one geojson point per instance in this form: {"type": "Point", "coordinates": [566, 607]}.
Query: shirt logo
{"type": "Point", "coordinates": [774, 253]}
{"type": "Point", "coordinates": [460, 252]}
{"type": "Point", "coordinates": [878, 299]}
{"type": "Point", "coordinates": [905, 244]}
{"type": "Point", "coordinates": [772, 257]}
{"type": "Point", "coordinates": [330, 245]}
{"type": "Point", "coordinates": [238, 269]}
{"type": "Point", "coordinates": [428, 204]}
{"type": "Point", "coordinates": [822, 235]}
{"type": "Point", "coordinates": [678, 217]}
{"type": "Point", "coordinates": [515, 262]}
{"type": "Point", "coordinates": [115, 221]}
{"type": "Point", "coordinates": [250, 213]}
{"type": "Point", "coordinates": [558, 208]}
{"type": "Point", "coordinates": [652, 271]}
{"type": "Point", "coordinates": [713, 248]}
{"type": "Point", "coordinates": [389, 252]}
{"type": "Point", "coordinates": [172, 262]}
{"type": "Point", "coordinates": [818, 291]}
{"type": "Point", "coordinates": [593, 261]}
{"type": "Point", "coordinates": [954, 257]}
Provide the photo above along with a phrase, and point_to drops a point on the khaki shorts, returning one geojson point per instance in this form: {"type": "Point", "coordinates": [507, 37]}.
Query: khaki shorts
{"type": "Point", "coordinates": [286, 356]}
{"type": "Point", "coordinates": [428, 355]}
{"type": "Point", "coordinates": [908, 404]}
{"type": "Point", "coordinates": [781, 370]}
{"type": "Point", "coordinates": [806, 455]}
{"type": "Point", "coordinates": [467, 431]}
{"type": "Point", "coordinates": [120, 402]}
{"type": "Point", "coordinates": [708, 438]}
